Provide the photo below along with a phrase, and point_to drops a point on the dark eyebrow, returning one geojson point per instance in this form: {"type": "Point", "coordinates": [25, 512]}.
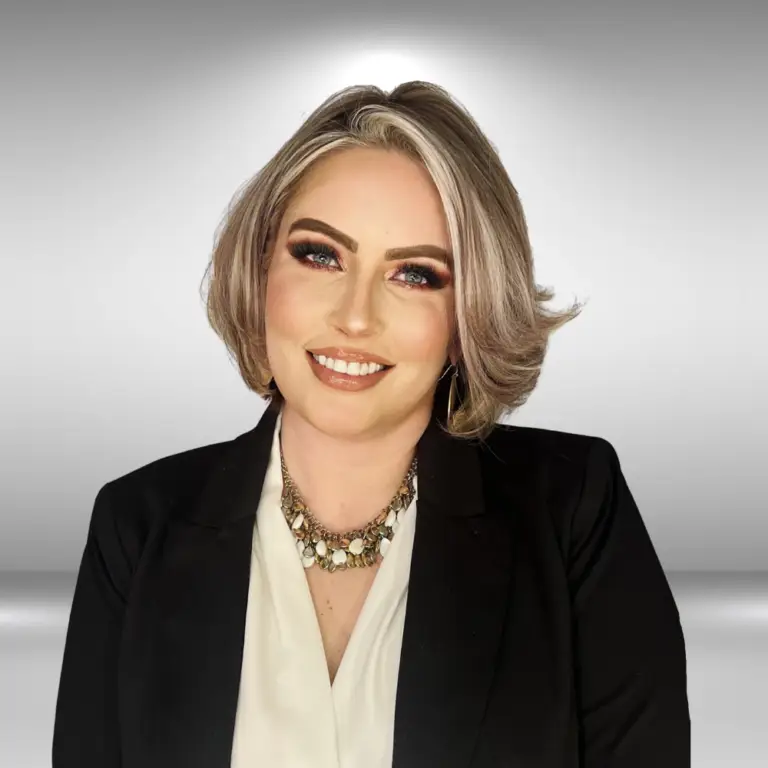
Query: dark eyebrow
{"type": "Point", "coordinates": [393, 254]}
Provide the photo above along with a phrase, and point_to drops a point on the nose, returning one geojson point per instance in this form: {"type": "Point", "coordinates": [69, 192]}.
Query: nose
{"type": "Point", "coordinates": [358, 310]}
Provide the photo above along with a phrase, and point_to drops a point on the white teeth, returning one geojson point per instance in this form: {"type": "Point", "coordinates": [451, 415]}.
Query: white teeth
{"type": "Point", "coordinates": [351, 369]}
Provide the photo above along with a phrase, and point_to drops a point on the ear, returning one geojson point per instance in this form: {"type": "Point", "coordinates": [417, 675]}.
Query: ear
{"type": "Point", "coordinates": [454, 348]}
{"type": "Point", "coordinates": [454, 355]}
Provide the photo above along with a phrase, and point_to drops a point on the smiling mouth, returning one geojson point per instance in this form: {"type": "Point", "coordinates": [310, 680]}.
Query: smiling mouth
{"type": "Point", "coordinates": [313, 359]}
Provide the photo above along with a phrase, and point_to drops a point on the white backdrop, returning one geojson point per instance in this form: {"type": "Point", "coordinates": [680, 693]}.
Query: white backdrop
{"type": "Point", "coordinates": [635, 134]}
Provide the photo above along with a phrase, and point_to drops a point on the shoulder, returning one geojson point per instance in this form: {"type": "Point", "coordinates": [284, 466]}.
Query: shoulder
{"type": "Point", "coordinates": [569, 474]}
{"type": "Point", "coordinates": [546, 450]}
{"type": "Point", "coordinates": [129, 507]}
{"type": "Point", "coordinates": [171, 477]}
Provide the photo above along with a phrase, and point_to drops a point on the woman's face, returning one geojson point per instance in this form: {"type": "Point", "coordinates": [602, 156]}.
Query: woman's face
{"type": "Point", "coordinates": [343, 292]}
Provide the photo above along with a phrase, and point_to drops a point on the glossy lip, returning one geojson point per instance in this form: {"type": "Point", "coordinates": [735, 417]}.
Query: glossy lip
{"type": "Point", "coordinates": [349, 355]}
{"type": "Point", "coordinates": [344, 381]}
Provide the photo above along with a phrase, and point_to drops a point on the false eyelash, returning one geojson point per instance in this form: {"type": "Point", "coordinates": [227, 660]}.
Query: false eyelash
{"type": "Point", "coordinates": [301, 250]}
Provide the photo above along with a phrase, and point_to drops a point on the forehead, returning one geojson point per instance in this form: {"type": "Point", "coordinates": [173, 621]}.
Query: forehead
{"type": "Point", "coordinates": [373, 193]}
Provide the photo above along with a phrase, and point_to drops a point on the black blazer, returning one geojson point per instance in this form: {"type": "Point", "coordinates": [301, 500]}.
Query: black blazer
{"type": "Point", "coordinates": [540, 629]}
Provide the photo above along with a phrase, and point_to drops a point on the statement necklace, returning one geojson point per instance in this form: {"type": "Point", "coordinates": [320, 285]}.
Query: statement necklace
{"type": "Point", "coordinates": [353, 549]}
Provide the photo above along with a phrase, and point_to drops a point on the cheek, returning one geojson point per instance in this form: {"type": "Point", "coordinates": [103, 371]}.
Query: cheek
{"type": "Point", "coordinates": [420, 333]}
{"type": "Point", "coordinates": [289, 320]}
{"type": "Point", "coordinates": [289, 315]}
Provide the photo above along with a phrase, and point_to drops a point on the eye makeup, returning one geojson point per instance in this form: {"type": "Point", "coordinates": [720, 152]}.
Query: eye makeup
{"type": "Point", "coordinates": [323, 254]}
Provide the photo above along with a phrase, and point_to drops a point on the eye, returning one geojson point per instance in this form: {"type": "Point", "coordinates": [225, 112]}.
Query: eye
{"type": "Point", "coordinates": [426, 277]}
{"type": "Point", "coordinates": [320, 256]}
{"type": "Point", "coordinates": [302, 251]}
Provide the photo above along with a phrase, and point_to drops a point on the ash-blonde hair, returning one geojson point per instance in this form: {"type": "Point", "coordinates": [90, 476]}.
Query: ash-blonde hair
{"type": "Point", "coordinates": [501, 326]}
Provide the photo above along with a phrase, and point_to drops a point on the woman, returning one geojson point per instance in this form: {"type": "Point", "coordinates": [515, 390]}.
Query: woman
{"type": "Point", "coordinates": [377, 573]}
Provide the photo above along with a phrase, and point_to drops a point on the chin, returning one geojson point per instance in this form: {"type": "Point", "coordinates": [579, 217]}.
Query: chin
{"type": "Point", "coordinates": [342, 414]}
{"type": "Point", "coordinates": [347, 415]}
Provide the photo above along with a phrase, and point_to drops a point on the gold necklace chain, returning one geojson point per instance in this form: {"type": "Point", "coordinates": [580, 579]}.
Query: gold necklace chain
{"type": "Point", "coordinates": [360, 548]}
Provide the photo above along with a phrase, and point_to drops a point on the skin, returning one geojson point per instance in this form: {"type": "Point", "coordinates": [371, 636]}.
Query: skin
{"type": "Point", "coordinates": [349, 451]}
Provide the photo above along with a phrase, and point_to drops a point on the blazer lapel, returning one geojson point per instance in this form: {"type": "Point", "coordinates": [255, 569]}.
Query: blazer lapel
{"type": "Point", "coordinates": [456, 606]}
{"type": "Point", "coordinates": [183, 640]}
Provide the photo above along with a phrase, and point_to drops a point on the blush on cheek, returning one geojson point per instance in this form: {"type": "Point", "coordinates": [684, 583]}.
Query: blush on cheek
{"type": "Point", "coordinates": [282, 304]}
{"type": "Point", "coordinates": [292, 315]}
{"type": "Point", "coordinates": [420, 333]}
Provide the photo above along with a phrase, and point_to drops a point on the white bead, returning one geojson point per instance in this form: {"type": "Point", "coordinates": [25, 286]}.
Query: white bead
{"type": "Point", "coordinates": [321, 548]}
{"type": "Point", "coordinates": [356, 547]}
{"type": "Point", "coordinates": [384, 546]}
{"type": "Point", "coordinates": [307, 561]}
{"type": "Point", "coordinates": [391, 517]}
{"type": "Point", "coordinates": [339, 556]}
{"type": "Point", "coordinates": [298, 522]}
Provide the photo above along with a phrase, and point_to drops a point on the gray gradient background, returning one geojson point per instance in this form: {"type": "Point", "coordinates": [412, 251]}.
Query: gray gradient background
{"type": "Point", "coordinates": [636, 136]}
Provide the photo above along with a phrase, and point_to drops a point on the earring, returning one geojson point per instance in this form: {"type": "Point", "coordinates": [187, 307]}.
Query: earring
{"type": "Point", "coordinates": [450, 393]}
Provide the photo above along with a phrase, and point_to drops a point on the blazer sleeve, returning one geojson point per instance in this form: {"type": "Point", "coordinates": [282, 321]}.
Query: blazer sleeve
{"type": "Point", "coordinates": [629, 648]}
{"type": "Point", "coordinates": [85, 733]}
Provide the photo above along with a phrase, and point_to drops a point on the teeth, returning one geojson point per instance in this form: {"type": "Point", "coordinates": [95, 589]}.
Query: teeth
{"type": "Point", "coordinates": [351, 369]}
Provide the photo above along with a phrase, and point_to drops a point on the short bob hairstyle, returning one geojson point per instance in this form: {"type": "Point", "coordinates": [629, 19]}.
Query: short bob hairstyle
{"type": "Point", "coordinates": [501, 326]}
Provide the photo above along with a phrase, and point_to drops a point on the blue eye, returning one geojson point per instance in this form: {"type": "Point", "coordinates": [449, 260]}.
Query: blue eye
{"type": "Point", "coordinates": [321, 254]}
{"type": "Point", "coordinates": [301, 251]}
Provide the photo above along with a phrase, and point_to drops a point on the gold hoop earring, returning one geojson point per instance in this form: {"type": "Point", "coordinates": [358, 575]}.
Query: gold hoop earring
{"type": "Point", "coordinates": [450, 393]}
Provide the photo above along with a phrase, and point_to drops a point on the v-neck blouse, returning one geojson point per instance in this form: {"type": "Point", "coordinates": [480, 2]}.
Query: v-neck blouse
{"type": "Point", "coordinates": [288, 713]}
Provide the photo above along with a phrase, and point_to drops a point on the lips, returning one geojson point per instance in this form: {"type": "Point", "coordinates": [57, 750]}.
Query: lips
{"type": "Point", "coordinates": [345, 382]}
{"type": "Point", "coordinates": [349, 355]}
{"type": "Point", "coordinates": [311, 356]}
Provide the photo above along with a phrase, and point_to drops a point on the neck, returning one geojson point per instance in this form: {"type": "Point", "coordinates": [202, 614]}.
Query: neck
{"type": "Point", "coordinates": [346, 481]}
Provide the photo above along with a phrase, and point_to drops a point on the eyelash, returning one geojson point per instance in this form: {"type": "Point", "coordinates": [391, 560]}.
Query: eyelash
{"type": "Point", "coordinates": [300, 251]}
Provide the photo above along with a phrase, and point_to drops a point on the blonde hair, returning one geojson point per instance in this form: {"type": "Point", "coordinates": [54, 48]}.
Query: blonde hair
{"type": "Point", "coordinates": [501, 326]}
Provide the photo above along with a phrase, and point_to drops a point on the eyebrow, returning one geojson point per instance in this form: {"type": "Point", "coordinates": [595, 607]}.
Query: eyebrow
{"type": "Point", "coordinates": [392, 254]}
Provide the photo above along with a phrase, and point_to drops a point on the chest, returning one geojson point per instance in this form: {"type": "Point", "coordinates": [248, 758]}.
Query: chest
{"type": "Point", "coordinates": [338, 599]}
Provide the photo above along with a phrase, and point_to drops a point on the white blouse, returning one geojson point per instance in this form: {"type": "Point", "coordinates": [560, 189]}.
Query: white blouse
{"type": "Point", "coordinates": [288, 713]}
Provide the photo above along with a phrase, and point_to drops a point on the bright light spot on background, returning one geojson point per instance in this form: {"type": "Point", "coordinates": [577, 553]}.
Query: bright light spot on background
{"type": "Point", "coordinates": [383, 65]}
{"type": "Point", "coordinates": [385, 68]}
